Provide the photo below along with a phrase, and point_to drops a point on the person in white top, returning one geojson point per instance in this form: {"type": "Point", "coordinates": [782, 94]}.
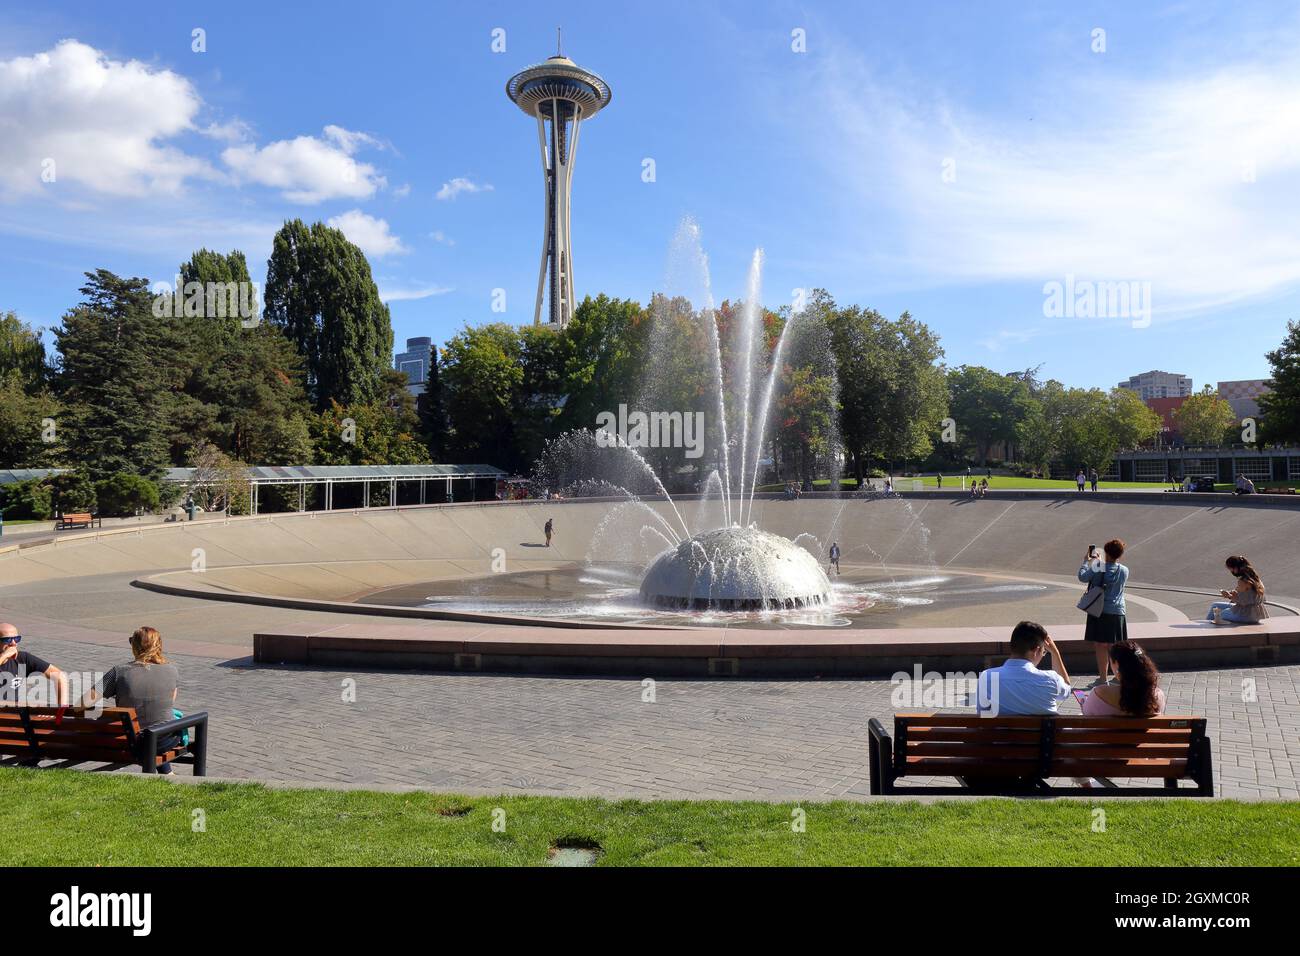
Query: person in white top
{"type": "Point", "coordinates": [1019, 687]}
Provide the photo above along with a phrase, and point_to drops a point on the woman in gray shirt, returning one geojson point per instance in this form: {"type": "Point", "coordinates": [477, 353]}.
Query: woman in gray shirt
{"type": "Point", "coordinates": [148, 683]}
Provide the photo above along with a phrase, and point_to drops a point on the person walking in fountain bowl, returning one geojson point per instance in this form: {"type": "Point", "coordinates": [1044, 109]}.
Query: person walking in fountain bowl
{"type": "Point", "coordinates": [1111, 626]}
{"type": "Point", "coordinates": [835, 558]}
{"type": "Point", "coordinates": [550, 530]}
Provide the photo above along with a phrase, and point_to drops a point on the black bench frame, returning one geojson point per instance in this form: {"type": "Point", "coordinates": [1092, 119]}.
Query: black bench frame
{"type": "Point", "coordinates": [886, 765]}
{"type": "Point", "coordinates": [146, 743]}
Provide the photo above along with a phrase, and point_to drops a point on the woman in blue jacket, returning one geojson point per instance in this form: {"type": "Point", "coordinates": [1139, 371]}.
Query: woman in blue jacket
{"type": "Point", "coordinates": [1112, 625]}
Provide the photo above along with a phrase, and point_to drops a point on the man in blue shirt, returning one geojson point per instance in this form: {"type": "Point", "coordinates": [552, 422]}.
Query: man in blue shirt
{"type": "Point", "coordinates": [1018, 687]}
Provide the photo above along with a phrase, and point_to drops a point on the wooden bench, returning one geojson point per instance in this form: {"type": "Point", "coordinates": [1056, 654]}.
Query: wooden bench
{"type": "Point", "coordinates": [110, 735]}
{"type": "Point", "coordinates": [1018, 755]}
{"type": "Point", "coordinates": [78, 520]}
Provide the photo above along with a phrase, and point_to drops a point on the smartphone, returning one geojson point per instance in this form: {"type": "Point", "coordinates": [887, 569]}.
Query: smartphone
{"type": "Point", "coordinates": [1080, 696]}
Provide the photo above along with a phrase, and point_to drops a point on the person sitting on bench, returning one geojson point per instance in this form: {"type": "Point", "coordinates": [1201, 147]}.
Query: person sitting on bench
{"type": "Point", "coordinates": [1018, 687]}
{"type": "Point", "coordinates": [148, 684]}
{"type": "Point", "coordinates": [17, 666]}
{"type": "Point", "coordinates": [1137, 691]}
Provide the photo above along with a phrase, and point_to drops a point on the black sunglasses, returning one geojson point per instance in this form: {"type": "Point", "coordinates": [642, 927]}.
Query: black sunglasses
{"type": "Point", "coordinates": [11, 640]}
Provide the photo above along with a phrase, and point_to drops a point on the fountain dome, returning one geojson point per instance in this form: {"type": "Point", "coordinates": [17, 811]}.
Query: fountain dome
{"type": "Point", "coordinates": [735, 569]}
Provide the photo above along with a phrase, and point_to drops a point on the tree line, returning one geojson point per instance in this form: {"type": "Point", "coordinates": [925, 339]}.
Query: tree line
{"type": "Point", "coordinates": [140, 382]}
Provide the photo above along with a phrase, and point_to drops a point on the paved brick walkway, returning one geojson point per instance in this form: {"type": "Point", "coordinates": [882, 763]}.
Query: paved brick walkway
{"type": "Point", "coordinates": [761, 739]}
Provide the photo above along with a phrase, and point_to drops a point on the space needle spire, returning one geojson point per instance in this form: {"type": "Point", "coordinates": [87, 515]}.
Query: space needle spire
{"type": "Point", "coordinates": [559, 94]}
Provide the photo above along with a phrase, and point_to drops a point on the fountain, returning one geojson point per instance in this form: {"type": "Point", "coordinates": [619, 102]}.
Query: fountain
{"type": "Point", "coordinates": [730, 564]}
{"type": "Point", "coordinates": [736, 569]}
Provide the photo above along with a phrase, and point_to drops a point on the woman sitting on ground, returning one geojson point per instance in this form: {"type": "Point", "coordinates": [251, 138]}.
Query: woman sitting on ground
{"type": "Point", "coordinates": [1136, 692]}
{"type": "Point", "coordinates": [148, 684]}
{"type": "Point", "coordinates": [1245, 603]}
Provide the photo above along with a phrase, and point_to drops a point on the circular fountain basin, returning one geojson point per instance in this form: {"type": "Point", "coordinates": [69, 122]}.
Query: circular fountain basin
{"type": "Point", "coordinates": [736, 569]}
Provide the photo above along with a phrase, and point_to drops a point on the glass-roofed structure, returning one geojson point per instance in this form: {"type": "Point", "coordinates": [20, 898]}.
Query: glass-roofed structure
{"type": "Point", "coordinates": [418, 484]}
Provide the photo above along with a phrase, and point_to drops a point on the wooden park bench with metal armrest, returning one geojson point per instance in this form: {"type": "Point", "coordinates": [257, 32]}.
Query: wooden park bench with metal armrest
{"type": "Point", "coordinates": [1018, 755]}
{"type": "Point", "coordinates": [81, 519]}
{"type": "Point", "coordinates": [109, 735]}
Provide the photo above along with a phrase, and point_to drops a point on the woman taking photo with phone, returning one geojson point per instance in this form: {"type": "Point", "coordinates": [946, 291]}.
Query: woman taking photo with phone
{"type": "Point", "coordinates": [1111, 626]}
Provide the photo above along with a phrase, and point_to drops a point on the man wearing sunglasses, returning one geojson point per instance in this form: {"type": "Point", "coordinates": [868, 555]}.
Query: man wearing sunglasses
{"type": "Point", "coordinates": [16, 666]}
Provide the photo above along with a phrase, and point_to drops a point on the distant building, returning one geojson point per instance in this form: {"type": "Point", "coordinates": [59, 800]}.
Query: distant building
{"type": "Point", "coordinates": [1155, 384]}
{"type": "Point", "coordinates": [1244, 395]}
{"type": "Point", "coordinates": [416, 362]}
{"type": "Point", "coordinates": [1165, 408]}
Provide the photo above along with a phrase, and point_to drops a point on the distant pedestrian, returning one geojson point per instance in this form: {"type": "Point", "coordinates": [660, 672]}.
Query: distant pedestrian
{"type": "Point", "coordinates": [835, 557]}
{"type": "Point", "coordinates": [1080, 479]}
{"type": "Point", "coordinates": [550, 530]}
{"type": "Point", "coordinates": [939, 481]}
{"type": "Point", "coordinates": [984, 487]}
{"type": "Point", "coordinates": [1092, 477]}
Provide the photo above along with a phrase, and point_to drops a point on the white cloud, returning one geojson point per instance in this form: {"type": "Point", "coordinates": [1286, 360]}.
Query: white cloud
{"type": "Point", "coordinates": [402, 191]}
{"type": "Point", "coordinates": [1124, 179]}
{"type": "Point", "coordinates": [450, 190]}
{"type": "Point", "coordinates": [307, 169]}
{"type": "Point", "coordinates": [371, 234]}
{"type": "Point", "coordinates": [350, 141]}
{"type": "Point", "coordinates": [441, 238]}
{"type": "Point", "coordinates": [101, 121]}
{"type": "Point", "coordinates": [408, 293]}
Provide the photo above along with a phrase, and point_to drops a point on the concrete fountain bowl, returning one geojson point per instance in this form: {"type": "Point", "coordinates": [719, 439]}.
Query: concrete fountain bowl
{"type": "Point", "coordinates": [735, 569]}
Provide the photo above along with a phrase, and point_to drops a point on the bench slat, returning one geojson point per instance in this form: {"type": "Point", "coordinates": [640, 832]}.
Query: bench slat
{"type": "Point", "coordinates": [964, 767]}
{"type": "Point", "coordinates": [1014, 751]}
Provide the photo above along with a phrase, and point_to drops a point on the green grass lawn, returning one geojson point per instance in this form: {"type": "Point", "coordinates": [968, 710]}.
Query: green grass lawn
{"type": "Point", "coordinates": [953, 483]}
{"type": "Point", "coordinates": [75, 818]}
{"type": "Point", "coordinates": [1011, 482]}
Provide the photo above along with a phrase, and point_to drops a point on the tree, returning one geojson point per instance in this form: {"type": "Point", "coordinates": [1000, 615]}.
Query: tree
{"type": "Point", "coordinates": [986, 406]}
{"type": "Point", "coordinates": [481, 371]}
{"type": "Point", "coordinates": [219, 482]}
{"type": "Point", "coordinates": [114, 377]}
{"type": "Point", "coordinates": [320, 292]}
{"type": "Point", "coordinates": [22, 354]}
{"type": "Point", "coordinates": [1085, 428]}
{"type": "Point", "coordinates": [366, 435]}
{"type": "Point", "coordinates": [541, 396]}
{"type": "Point", "coordinates": [125, 494]}
{"type": "Point", "coordinates": [1204, 418]}
{"type": "Point", "coordinates": [73, 492]}
{"type": "Point", "coordinates": [29, 434]}
{"type": "Point", "coordinates": [892, 392]}
{"type": "Point", "coordinates": [1280, 407]}
{"type": "Point", "coordinates": [605, 347]}
{"type": "Point", "coordinates": [27, 499]}
{"type": "Point", "coordinates": [28, 410]}
{"type": "Point", "coordinates": [1134, 420]}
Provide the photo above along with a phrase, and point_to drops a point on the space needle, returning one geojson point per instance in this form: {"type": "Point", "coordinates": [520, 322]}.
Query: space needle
{"type": "Point", "coordinates": [560, 95]}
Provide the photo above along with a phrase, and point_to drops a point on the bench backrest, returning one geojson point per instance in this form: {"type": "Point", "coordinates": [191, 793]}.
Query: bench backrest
{"type": "Point", "coordinates": [108, 735]}
{"type": "Point", "coordinates": [962, 744]}
{"type": "Point", "coordinates": [78, 516]}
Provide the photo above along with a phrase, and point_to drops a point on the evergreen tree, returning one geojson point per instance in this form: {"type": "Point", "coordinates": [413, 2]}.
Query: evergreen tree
{"type": "Point", "coordinates": [319, 291]}
{"type": "Point", "coordinates": [113, 378]}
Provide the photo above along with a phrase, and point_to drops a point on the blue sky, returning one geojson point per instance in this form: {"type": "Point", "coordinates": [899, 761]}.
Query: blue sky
{"type": "Point", "coordinates": [950, 159]}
